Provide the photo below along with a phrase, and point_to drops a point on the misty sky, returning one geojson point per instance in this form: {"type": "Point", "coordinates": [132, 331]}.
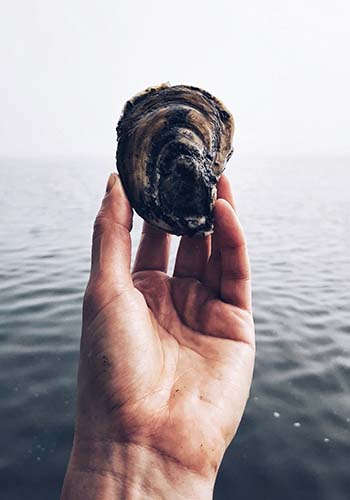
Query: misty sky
{"type": "Point", "coordinates": [67, 67]}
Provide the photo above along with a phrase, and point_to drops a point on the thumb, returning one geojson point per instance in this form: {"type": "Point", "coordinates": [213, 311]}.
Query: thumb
{"type": "Point", "coordinates": [111, 245]}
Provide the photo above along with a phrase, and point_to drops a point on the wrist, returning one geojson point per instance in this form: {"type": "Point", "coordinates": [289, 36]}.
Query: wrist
{"type": "Point", "coordinates": [106, 470]}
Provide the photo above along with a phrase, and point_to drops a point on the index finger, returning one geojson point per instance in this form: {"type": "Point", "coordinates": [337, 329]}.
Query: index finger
{"type": "Point", "coordinates": [153, 251]}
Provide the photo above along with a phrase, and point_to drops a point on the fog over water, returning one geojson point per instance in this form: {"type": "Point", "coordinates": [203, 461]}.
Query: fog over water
{"type": "Point", "coordinates": [68, 67]}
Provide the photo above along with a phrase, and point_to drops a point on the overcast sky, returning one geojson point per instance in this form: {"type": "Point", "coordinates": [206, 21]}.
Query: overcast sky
{"type": "Point", "coordinates": [67, 67]}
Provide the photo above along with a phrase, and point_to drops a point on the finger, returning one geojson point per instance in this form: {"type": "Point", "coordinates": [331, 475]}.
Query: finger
{"type": "Point", "coordinates": [111, 246]}
{"type": "Point", "coordinates": [153, 251]}
{"type": "Point", "coordinates": [212, 275]}
{"type": "Point", "coordinates": [192, 257]}
{"type": "Point", "coordinates": [235, 269]}
{"type": "Point", "coordinates": [225, 191]}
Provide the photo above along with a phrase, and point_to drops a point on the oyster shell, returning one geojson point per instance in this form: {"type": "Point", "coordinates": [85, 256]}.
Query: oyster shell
{"type": "Point", "coordinates": [173, 144]}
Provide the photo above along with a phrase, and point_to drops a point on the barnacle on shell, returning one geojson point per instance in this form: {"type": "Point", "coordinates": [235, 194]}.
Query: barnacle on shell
{"type": "Point", "coordinates": [173, 144]}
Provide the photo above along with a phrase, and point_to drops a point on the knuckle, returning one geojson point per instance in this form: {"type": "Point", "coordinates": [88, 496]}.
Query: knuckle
{"type": "Point", "coordinates": [93, 298]}
{"type": "Point", "coordinates": [107, 224]}
{"type": "Point", "coordinates": [101, 224]}
{"type": "Point", "coordinates": [88, 301]}
{"type": "Point", "coordinates": [235, 274]}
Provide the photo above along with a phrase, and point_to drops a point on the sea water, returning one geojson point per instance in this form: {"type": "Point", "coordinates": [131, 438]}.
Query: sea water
{"type": "Point", "coordinates": [294, 439]}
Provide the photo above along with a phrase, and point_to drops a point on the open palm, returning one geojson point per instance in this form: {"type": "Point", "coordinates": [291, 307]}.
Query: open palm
{"type": "Point", "coordinates": [166, 362]}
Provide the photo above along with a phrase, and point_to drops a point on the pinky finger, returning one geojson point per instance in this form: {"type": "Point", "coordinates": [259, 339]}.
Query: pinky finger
{"type": "Point", "coordinates": [235, 269]}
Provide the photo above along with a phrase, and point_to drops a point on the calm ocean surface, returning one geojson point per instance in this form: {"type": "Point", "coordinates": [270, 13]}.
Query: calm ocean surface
{"type": "Point", "coordinates": [294, 440]}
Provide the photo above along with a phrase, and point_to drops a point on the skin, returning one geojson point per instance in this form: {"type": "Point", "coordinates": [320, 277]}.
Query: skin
{"type": "Point", "coordinates": [166, 362]}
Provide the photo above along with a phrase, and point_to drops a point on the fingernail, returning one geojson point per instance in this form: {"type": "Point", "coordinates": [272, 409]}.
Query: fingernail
{"type": "Point", "coordinates": [111, 181]}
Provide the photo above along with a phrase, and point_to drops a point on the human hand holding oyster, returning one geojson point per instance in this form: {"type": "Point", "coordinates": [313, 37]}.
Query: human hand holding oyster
{"type": "Point", "coordinates": [166, 361]}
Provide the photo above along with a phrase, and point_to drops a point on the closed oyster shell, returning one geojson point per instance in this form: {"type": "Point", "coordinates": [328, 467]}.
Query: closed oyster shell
{"type": "Point", "coordinates": [173, 144]}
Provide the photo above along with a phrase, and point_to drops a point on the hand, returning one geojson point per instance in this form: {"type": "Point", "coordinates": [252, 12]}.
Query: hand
{"type": "Point", "coordinates": [166, 362]}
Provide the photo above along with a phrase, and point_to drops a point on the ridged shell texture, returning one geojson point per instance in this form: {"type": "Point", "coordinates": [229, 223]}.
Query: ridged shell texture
{"type": "Point", "coordinates": [173, 144]}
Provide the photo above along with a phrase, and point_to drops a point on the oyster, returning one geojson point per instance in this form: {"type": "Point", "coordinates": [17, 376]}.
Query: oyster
{"type": "Point", "coordinates": [173, 144]}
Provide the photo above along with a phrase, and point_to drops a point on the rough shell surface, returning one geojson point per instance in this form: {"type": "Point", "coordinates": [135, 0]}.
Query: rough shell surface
{"type": "Point", "coordinates": [173, 144]}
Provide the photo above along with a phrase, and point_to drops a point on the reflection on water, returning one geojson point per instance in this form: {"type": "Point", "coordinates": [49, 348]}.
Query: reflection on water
{"type": "Point", "coordinates": [294, 441]}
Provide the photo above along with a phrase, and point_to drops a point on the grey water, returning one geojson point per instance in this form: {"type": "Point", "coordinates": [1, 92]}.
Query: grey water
{"type": "Point", "coordinates": [294, 439]}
